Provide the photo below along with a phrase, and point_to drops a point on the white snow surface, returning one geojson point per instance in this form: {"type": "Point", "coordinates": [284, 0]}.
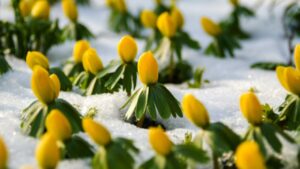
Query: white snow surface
{"type": "Point", "coordinates": [229, 78]}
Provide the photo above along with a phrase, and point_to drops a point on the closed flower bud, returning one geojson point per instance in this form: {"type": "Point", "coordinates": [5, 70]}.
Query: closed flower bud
{"type": "Point", "coordinates": [248, 156]}
{"type": "Point", "coordinates": [25, 8]}
{"type": "Point", "coordinates": [194, 110]}
{"type": "Point", "coordinates": [35, 58]}
{"type": "Point", "coordinates": [127, 49]}
{"type": "Point", "coordinates": [234, 2]}
{"type": "Point", "coordinates": [120, 5]}
{"type": "Point", "coordinates": [46, 88]}
{"type": "Point", "coordinates": [166, 25]}
{"type": "Point", "coordinates": [289, 79]}
{"type": "Point", "coordinates": [148, 19]}
{"type": "Point", "coordinates": [41, 10]}
{"type": "Point", "coordinates": [91, 61]}
{"type": "Point", "coordinates": [79, 48]}
{"type": "Point", "coordinates": [297, 56]}
{"type": "Point", "coordinates": [210, 27]}
{"type": "Point", "coordinates": [3, 154]}
{"type": "Point", "coordinates": [47, 152]}
{"type": "Point", "coordinates": [58, 125]}
{"type": "Point", "coordinates": [177, 18]}
{"type": "Point", "coordinates": [70, 9]}
{"type": "Point", "coordinates": [96, 131]}
{"type": "Point", "coordinates": [159, 141]}
{"type": "Point", "coordinates": [251, 108]}
{"type": "Point", "coordinates": [148, 68]}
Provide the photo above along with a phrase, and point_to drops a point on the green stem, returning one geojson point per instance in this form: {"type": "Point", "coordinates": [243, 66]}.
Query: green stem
{"type": "Point", "coordinates": [215, 161]}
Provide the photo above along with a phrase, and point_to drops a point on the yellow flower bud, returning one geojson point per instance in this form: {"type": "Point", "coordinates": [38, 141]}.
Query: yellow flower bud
{"type": "Point", "coordinates": [3, 154]}
{"type": "Point", "coordinates": [195, 111]}
{"type": "Point", "coordinates": [234, 2]}
{"type": "Point", "coordinates": [91, 61]}
{"type": "Point", "coordinates": [210, 27]}
{"type": "Point", "coordinates": [248, 156]}
{"type": "Point", "coordinates": [251, 108]}
{"type": "Point", "coordinates": [177, 17]}
{"type": "Point", "coordinates": [148, 68]}
{"type": "Point", "coordinates": [127, 49]}
{"type": "Point", "coordinates": [37, 58]}
{"type": "Point", "coordinates": [96, 131]}
{"type": "Point", "coordinates": [120, 5]}
{"type": "Point", "coordinates": [45, 88]}
{"type": "Point", "coordinates": [166, 25]}
{"type": "Point", "coordinates": [148, 19]}
{"type": "Point", "coordinates": [159, 141]}
{"type": "Point", "coordinates": [297, 57]}
{"type": "Point", "coordinates": [289, 79]}
{"type": "Point", "coordinates": [79, 48]}
{"type": "Point", "coordinates": [47, 152]}
{"type": "Point", "coordinates": [41, 10]}
{"type": "Point", "coordinates": [58, 125]}
{"type": "Point", "coordinates": [70, 9]}
{"type": "Point", "coordinates": [25, 8]}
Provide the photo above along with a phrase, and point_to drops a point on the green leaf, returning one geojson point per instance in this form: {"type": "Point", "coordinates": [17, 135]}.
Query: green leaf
{"type": "Point", "coordinates": [160, 103]}
{"type": "Point", "coordinates": [270, 134]}
{"type": "Point", "coordinates": [133, 100]}
{"type": "Point", "coordinates": [267, 65]}
{"type": "Point", "coordinates": [142, 103]}
{"type": "Point", "coordinates": [76, 148]}
{"type": "Point", "coordinates": [191, 151]}
{"type": "Point", "coordinates": [115, 77]}
{"type": "Point", "coordinates": [151, 104]}
{"type": "Point", "coordinates": [65, 83]}
{"type": "Point", "coordinates": [149, 164]}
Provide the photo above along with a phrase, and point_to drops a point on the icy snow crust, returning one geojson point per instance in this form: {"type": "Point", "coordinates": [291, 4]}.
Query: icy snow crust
{"type": "Point", "coordinates": [229, 77]}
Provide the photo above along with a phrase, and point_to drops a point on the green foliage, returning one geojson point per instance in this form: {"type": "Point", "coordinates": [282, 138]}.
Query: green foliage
{"type": "Point", "coordinates": [267, 65]}
{"type": "Point", "coordinates": [291, 19]}
{"type": "Point", "coordinates": [72, 69]}
{"type": "Point", "coordinates": [198, 79]}
{"type": "Point", "coordinates": [76, 31]}
{"type": "Point", "coordinates": [179, 73]}
{"type": "Point", "coordinates": [76, 148]}
{"type": "Point", "coordinates": [65, 83]}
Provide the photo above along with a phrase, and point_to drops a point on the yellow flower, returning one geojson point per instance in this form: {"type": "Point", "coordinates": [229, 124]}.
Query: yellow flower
{"type": "Point", "coordinates": [148, 68]}
{"type": "Point", "coordinates": [3, 154]}
{"type": "Point", "coordinates": [194, 110]}
{"type": "Point", "coordinates": [91, 61]}
{"type": "Point", "coordinates": [96, 131]}
{"type": "Point", "coordinates": [47, 152]}
{"type": "Point", "coordinates": [289, 79]}
{"type": "Point", "coordinates": [79, 48]}
{"type": "Point", "coordinates": [210, 27]}
{"type": "Point", "coordinates": [159, 141]}
{"type": "Point", "coordinates": [297, 56]}
{"type": "Point", "coordinates": [70, 9]}
{"type": "Point", "coordinates": [35, 58]}
{"type": "Point", "coordinates": [148, 19]}
{"type": "Point", "coordinates": [251, 108]}
{"type": "Point", "coordinates": [248, 156]}
{"type": "Point", "coordinates": [166, 25]}
{"type": "Point", "coordinates": [234, 2]}
{"type": "Point", "coordinates": [25, 7]}
{"type": "Point", "coordinates": [41, 10]}
{"type": "Point", "coordinates": [177, 17]}
{"type": "Point", "coordinates": [120, 5]}
{"type": "Point", "coordinates": [46, 88]}
{"type": "Point", "coordinates": [58, 125]}
{"type": "Point", "coordinates": [127, 49]}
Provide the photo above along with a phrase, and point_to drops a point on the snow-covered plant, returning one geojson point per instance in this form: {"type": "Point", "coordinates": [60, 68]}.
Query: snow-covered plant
{"type": "Point", "coordinates": [74, 30]}
{"type": "Point", "coordinates": [223, 43]}
{"type": "Point", "coordinates": [170, 155]}
{"type": "Point", "coordinates": [153, 97]}
{"type": "Point", "coordinates": [3, 154]}
{"type": "Point", "coordinates": [113, 153]}
{"type": "Point", "coordinates": [263, 133]}
{"type": "Point", "coordinates": [220, 138]}
{"type": "Point", "coordinates": [35, 58]}
{"type": "Point", "coordinates": [46, 88]}
{"type": "Point", "coordinates": [121, 20]}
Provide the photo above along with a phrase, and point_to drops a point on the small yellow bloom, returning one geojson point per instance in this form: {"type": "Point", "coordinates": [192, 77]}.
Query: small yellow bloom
{"type": "Point", "coordinates": [37, 58]}
{"type": "Point", "coordinates": [3, 154]}
{"type": "Point", "coordinates": [96, 131]}
{"type": "Point", "coordinates": [41, 10]}
{"type": "Point", "coordinates": [195, 111]}
{"type": "Point", "coordinates": [166, 25]}
{"type": "Point", "coordinates": [127, 49]}
{"type": "Point", "coordinates": [148, 19]}
{"type": "Point", "coordinates": [148, 68]}
{"type": "Point", "coordinates": [289, 79]}
{"type": "Point", "coordinates": [79, 48]}
{"type": "Point", "coordinates": [46, 88]}
{"type": "Point", "coordinates": [177, 17]}
{"type": "Point", "coordinates": [25, 8]}
{"type": "Point", "coordinates": [248, 156]}
{"type": "Point", "coordinates": [159, 141]}
{"type": "Point", "coordinates": [297, 56]}
{"type": "Point", "coordinates": [120, 5]}
{"type": "Point", "coordinates": [91, 61]}
{"type": "Point", "coordinates": [58, 125]}
{"type": "Point", "coordinates": [47, 152]}
{"type": "Point", "coordinates": [234, 2]}
{"type": "Point", "coordinates": [251, 108]}
{"type": "Point", "coordinates": [210, 27]}
{"type": "Point", "coordinates": [70, 9]}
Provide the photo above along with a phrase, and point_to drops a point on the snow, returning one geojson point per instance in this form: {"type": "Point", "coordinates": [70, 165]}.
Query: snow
{"type": "Point", "coordinates": [229, 78]}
